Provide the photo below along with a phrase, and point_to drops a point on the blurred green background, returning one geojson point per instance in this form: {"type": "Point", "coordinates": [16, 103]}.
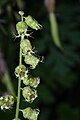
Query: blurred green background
{"type": "Point", "coordinates": [59, 90]}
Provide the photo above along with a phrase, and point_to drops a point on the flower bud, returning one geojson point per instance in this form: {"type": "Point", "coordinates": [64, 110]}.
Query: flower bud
{"type": "Point", "coordinates": [31, 60]}
{"type": "Point", "coordinates": [32, 81]}
{"type": "Point", "coordinates": [25, 46]}
{"type": "Point", "coordinates": [21, 13]}
{"type": "Point", "coordinates": [29, 94]}
{"type": "Point", "coordinates": [31, 22]}
{"type": "Point", "coordinates": [21, 27]}
{"type": "Point", "coordinates": [31, 114]}
{"type": "Point", "coordinates": [6, 102]}
{"type": "Point", "coordinates": [20, 71]}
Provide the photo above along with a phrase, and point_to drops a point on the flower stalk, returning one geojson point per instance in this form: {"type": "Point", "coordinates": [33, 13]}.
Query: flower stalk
{"type": "Point", "coordinates": [19, 86]}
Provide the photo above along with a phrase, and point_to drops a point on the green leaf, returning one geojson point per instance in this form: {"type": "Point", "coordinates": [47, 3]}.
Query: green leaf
{"type": "Point", "coordinates": [54, 31]}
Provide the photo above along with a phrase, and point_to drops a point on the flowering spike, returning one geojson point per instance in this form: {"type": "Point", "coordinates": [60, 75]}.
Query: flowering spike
{"type": "Point", "coordinates": [29, 92]}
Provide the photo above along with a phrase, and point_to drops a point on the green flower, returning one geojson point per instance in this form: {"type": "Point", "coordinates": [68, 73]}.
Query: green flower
{"type": "Point", "coordinates": [21, 71]}
{"type": "Point", "coordinates": [31, 22]}
{"type": "Point", "coordinates": [25, 46]}
{"type": "Point", "coordinates": [21, 27]}
{"type": "Point", "coordinates": [32, 81]}
{"type": "Point", "coordinates": [31, 60]}
{"type": "Point", "coordinates": [21, 13]}
{"type": "Point", "coordinates": [29, 94]}
{"type": "Point", "coordinates": [6, 102]}
{"type": "Point", "coordinates": [31, 114]}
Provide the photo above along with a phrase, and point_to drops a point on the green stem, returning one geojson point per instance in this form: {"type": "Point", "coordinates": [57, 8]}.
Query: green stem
{"type": "Point", "coordinates": [19, 86]}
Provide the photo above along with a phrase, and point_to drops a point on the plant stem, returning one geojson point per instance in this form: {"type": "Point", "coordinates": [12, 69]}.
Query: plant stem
{"type": "Point", "coordinates": [19, 85]}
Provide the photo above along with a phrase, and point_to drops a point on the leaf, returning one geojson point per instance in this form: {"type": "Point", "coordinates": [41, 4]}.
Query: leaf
{"type": "Point", "coordinates": [54, 31]}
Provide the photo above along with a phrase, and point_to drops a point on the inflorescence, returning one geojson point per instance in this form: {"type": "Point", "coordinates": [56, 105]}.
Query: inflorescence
{"type": "Point", "coordinates": [29, 92]}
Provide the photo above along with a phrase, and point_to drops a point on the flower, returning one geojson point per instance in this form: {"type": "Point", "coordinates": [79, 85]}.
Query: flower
{"type": "Point", "coordinates": [6, 102]}
{"type": "Point", "coordinates": [25, 46]}
{"type": "Point", "coordinates": [31, 114]}
{"type": "Point", "coordinates": [21, 27]}
{"type": "Point", "coordinates": [21, 71]}
{"type": "Point", "coordinates": [31, 22]}
{"type": "Point", "coordinates": [31, 60]}
{"type": "Point", "coordinates": [29, 94]}
{"type": "Point", "coordinates": [32, 81]}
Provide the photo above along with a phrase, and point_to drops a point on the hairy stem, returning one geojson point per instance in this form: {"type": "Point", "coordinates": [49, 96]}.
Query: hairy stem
{"type": "Point", "coordinates": [19, 86]}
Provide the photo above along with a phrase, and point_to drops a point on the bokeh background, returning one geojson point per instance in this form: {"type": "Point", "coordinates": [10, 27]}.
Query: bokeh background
{"type": "Point", "coordinates": [59, 90]}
